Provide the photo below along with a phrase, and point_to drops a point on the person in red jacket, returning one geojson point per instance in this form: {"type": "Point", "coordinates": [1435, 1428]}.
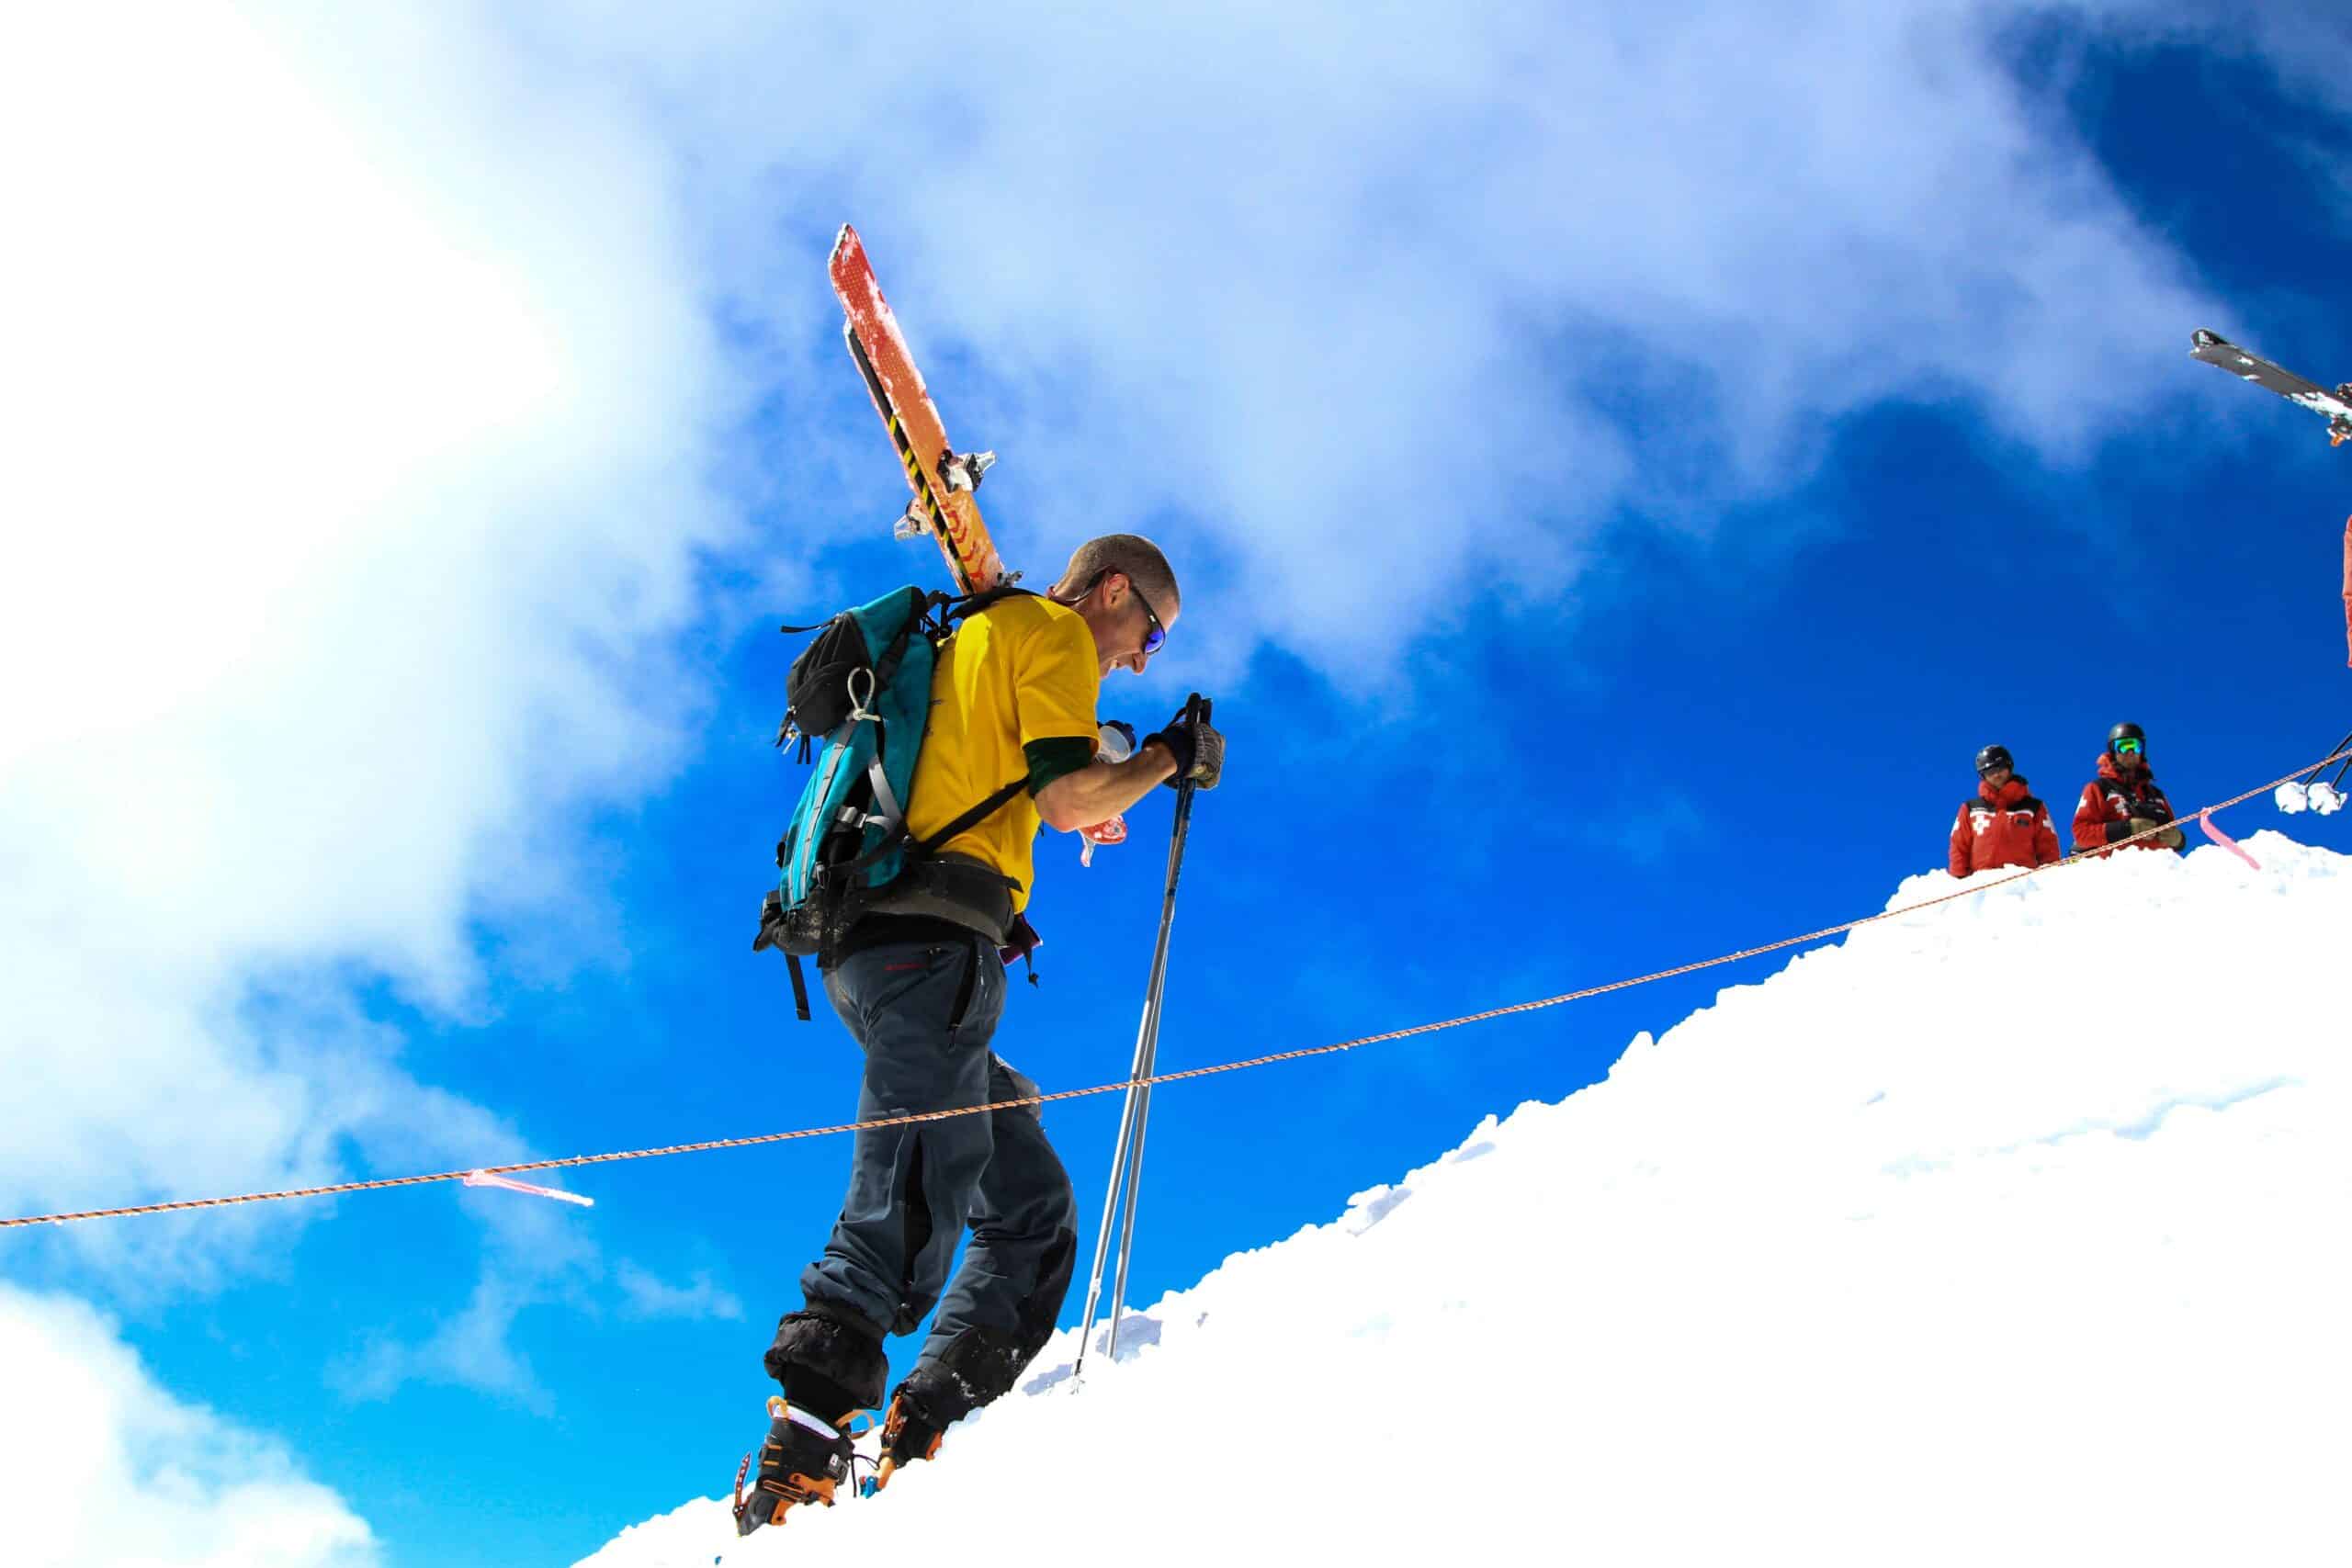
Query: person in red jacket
{"type": "Point", "coordinates": [2124, 800]}
{"type": "Point", "coordinates": [2002, 824]}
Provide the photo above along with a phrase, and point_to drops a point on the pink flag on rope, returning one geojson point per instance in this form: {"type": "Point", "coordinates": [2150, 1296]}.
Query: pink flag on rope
{"type": "Point", "coordinates": [484, 1179]}
{"type": "Point", "coordinates": [2205, 820]}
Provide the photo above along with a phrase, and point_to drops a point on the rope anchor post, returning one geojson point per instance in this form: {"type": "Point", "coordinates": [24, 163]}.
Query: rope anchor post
{"type": "Point", "coordinates": [1126, 1159]}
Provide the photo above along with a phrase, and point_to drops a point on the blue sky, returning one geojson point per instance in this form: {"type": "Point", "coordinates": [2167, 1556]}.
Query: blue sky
{"type": "Point", "coordinates": [1620, 472]}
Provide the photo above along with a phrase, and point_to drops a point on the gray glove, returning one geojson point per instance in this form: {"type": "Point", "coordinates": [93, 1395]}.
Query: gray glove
{"type": "Point", "coordinates": [1199, 751]}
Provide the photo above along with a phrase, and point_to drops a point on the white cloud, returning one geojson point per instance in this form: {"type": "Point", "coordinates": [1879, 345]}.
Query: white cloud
{"type": "Point", "coordinates": [360, 415]}
{"type": "Point", "coordinates": [644, 1295]}
{"type": "Point", "coordinates": [469, 1347]}
{"type": "Point", "coordinates": [2307, 43]}
{"type": "Point", "coordinates": [1398, 306]}
{"type": "Point", "coordinates": [359, 487]}
{"type": "Point", "coordinates": [99, 1465]}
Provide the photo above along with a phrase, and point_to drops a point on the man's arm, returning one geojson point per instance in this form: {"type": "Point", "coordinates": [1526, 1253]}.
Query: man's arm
{"type": "Point", "coordinates": [1100, 791]}
{"type": "Point", "coordinates": [2092, 821]}
{"type": "Point", "coordinates": [2045, 839]}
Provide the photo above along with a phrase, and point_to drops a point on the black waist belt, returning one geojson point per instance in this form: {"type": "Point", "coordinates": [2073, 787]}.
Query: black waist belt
{"type": "Point", "coordinates": [954, 888]}
{"type": "Point", "coordinates": [885, 930]}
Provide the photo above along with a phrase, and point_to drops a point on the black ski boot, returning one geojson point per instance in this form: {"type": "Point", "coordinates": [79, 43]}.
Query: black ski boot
{"type": "Point", "coordinates": [918, 1416]}
{"type": "Point", "coordinates": [803, 1460]}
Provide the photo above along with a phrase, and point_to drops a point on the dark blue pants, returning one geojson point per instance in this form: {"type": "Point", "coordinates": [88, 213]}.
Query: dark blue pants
{"type": "Point", "coordinates": [924, 1013]}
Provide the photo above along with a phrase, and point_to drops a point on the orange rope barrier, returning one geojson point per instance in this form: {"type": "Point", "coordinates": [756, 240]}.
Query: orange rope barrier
{"type": "Point", "coordinates": [338, 1187]}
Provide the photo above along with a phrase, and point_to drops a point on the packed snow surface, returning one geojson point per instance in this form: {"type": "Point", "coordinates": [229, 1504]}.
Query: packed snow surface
{"type": "Point", "coordinates": [2012, 1231]}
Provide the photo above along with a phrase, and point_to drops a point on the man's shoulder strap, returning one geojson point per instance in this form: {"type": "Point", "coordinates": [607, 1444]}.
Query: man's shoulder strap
{"type": "Point", "coordinates": [972, 604]}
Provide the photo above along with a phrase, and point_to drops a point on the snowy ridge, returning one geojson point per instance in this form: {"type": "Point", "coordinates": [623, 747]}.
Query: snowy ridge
{"type": "Point", "coordinates": [2012, 1231]}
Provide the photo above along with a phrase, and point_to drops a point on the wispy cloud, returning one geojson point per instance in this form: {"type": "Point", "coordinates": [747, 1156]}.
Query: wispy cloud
{"type": "Point", "coordinates": [1647, 831]}
{"type": "Point", "coordinates": [644, 1296]}
{"type": "Point", "coordinates": [1378, 309]}
{"type": "Point", "coordinates": [354, 521]}
{"type": "Point", "coordinates": [471, 1348]}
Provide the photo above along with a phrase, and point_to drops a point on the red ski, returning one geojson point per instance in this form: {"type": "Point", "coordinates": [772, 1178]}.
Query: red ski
{"type": "Point", "coordinates": [942, 478]}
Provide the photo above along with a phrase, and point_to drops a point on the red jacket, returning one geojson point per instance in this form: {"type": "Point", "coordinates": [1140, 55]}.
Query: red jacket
{"type": "Point", "coordinates": [2113, 799]}
{"type": "Point", "coordinates": [2003, 826]}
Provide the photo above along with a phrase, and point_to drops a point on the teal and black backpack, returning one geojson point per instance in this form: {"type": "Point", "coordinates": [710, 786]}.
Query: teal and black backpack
{"type": "Point", "coordinates": [860, 699]}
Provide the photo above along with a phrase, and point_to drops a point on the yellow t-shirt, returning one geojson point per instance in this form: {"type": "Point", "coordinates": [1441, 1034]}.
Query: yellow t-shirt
{"type": "Point", "coordinates": [1013, 697]}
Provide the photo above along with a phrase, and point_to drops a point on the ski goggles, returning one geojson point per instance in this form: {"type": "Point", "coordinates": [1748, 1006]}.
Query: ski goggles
{"type": "Point", "coordinates": [2127, 747]}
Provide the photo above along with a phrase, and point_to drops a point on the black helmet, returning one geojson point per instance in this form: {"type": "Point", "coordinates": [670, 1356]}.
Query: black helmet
{"type": "Point", "coordinates": [1995, 757]}
{"type": "Point", "coordinates": [2127, 732]}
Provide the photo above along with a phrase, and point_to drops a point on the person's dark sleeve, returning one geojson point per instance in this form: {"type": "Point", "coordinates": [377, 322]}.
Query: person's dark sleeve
{"type": "Point", "coordinates": [1056, 758]}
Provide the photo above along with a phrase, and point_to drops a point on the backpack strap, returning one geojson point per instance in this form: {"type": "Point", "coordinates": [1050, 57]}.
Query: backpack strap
{"type": "Point", "coordinates": [799, 987]}
{"type": "Point", "coordinates": [972, 817]}
{"type": "Point", "coordinates": [886, 669]}
{"type": "Point", "coordinates": [899, 837]}
{"type": "Point", "coordinates": [972, 604]}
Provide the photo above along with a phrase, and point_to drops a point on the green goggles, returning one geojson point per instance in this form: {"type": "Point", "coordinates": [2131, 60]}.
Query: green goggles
{"type": "Point", "coordinates": [2127, 747]}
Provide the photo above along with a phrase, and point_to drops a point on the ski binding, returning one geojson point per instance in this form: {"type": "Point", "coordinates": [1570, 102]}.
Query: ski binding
{"type": "Point", "coordinates": [962, 470]}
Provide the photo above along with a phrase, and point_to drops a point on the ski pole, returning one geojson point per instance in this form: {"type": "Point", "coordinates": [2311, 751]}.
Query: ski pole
{"type": "Point", "coordinates": [2339, 746]}
{"type": "Point", "coordinates": [1126, 1159]}
{"type": "Point", "coordinates": [1155, 1009]}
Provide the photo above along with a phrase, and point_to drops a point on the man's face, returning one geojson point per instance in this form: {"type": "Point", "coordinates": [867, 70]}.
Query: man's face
{"type": "Point", "coordinates": [2130, 753]}
{"type": "Point", "coordinates": [1129, 629]}
{"type": "Point", "coordinates": [1996, 775]}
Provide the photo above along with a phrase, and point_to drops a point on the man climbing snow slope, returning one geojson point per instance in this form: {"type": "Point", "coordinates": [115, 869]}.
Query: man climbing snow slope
{"type": "Point", "coordinates": [921, 987]}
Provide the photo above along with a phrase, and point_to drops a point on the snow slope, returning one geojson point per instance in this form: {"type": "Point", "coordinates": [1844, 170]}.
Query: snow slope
{"type": "Point", "coordinates": [2012, 1231]}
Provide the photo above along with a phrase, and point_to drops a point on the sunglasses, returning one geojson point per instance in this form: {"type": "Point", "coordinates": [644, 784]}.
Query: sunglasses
{"type": "Point", "coordinates": [2127, 748]}
{"type": "Point", "coordinates": [1155, 637]}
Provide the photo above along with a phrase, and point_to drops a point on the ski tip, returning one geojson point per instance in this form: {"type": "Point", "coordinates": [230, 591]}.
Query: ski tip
{"type": "Point", "coordinates": [845, 242]}
{"type": "Point", "coordinates": [2198, 339]}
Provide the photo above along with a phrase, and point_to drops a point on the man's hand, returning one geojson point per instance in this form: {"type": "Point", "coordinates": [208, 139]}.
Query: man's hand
{"type": "Point", "coordinates": [1198, 749]}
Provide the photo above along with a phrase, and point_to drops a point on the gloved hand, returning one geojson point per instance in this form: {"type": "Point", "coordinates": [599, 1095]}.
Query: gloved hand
{"type": "Point", "coordinates": [1199, 751]}
{"type": "Point", "coordinates": [2139, 825]}
{"type": "Point", "coordinates": [2171, 838]}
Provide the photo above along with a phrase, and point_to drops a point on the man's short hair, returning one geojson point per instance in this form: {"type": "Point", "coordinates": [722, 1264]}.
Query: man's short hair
{"type": "Point", "coordinates": [1131, 554]}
